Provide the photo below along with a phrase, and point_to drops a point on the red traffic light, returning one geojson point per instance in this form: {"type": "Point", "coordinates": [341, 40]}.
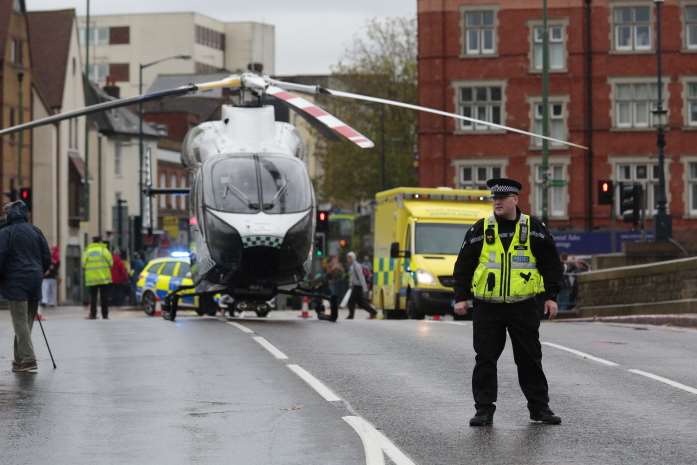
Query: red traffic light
{"type": "Point", "coordinates": [343, 242]}
{"type": "Point", "coordinates": [323, 216]}
{"type": "Point", "coordinates": [605, 186]}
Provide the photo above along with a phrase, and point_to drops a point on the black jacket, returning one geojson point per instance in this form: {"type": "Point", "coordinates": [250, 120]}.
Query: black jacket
{"type": "Point", "coordinates": [541, 243]}
{"type": "Point", "coordinates": [24, 256]}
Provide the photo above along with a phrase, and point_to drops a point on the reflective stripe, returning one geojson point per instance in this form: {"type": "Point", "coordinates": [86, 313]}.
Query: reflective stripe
{"type": "Point", "coordinates": [493, 265]}
{"type": "Point", "coordinates": [523, 266]}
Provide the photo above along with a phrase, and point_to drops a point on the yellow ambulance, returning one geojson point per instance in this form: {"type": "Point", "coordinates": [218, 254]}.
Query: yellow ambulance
{"type": "Point", "coordinates": [418, 235]}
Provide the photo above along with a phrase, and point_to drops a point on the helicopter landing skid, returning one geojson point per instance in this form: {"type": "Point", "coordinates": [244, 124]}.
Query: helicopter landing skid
{"type": "Point", "coordinates": [317, 299]}
{"type": "Point", "coordinates": [170, 303]}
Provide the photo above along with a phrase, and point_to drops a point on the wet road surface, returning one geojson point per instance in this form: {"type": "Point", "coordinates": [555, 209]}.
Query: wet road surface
{"type": "Point", "coordinates": [142, 390]}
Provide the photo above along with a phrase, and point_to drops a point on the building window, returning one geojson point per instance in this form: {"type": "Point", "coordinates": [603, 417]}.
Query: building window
{"type": "Point", "coordinates": [480, 32]}
{"type": "Point", "coordinates": [475, 176]}
{"type": "Point", "coordinates": [17, 6]}
{"type": "Point", "coordinates": [691, 103]}
{"type": "Point", "coordinates": [118, 159]}
{"type": "Point", "coordinates": [557, 48]}
{"type": "Point", "coordinates": [480, 102]}
{"type": "Point", "coordinates": [163, 184]}
{"type": "Point", "coordinates": [557, 123]}
{"type": "Point", "coordinates": [644, 173]}
{"type": "Point", "coordinates": [182, 198]}
{"type": "Point", "coordinates": [16, 55]}
{"type": "Point", "coordinates": [557, 192]}
{"type": "Point", "coordinates": [98, 35]}
{"type": "Point", "coordinates": [210, 38]}
{"type": "Point", "coordinates": [99, 72]}
{"type": "Point", "coordinates": [120, 35]}
{"type": "Point", "coordinates": [692, 188]}
{"type": "Point", "coordinates": [632, 28]}
{"type": "Point", "coordinates": [633, 104]}
{"type": "Point", "coordinates": [691, 26]}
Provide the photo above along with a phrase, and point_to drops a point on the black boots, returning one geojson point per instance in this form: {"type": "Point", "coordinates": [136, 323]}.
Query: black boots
{"type": "Point", "coordinates": [483, 417]}
{"type": "Point", "coordinates": [545, 416]}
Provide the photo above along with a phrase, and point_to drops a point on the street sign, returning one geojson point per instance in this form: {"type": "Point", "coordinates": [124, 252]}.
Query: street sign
{"type": "Point", "coordinates": [557, 182]}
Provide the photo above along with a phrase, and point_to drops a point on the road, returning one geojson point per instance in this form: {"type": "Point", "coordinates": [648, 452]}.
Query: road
{"type": "Point", "coordinates": [284, 390]}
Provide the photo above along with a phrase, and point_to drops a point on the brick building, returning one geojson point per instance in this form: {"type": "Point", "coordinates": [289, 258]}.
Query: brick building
{"type": "Point", "coordinates": [482, 58]}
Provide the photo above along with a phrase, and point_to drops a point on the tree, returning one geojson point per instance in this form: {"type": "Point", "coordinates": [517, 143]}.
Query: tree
{"type": "Point", "coordinates": [381, 64]}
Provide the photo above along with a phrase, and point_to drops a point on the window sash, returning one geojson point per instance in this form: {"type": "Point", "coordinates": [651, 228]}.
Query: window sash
{"type": "Point", "coordinates": [476, 176]}
{"type": "Point", "coordinates": [480, 102]}
{"type": "Point", "coordinates": [556, 196]}
{"type": "Point", "coordinates": [632, 26]}
{"type": "Point", "coordinates": [642, 173]}
{"type": "Point", "coordinates": [634, 103]}
{"type": "Point", "coordinates": [480, 32]}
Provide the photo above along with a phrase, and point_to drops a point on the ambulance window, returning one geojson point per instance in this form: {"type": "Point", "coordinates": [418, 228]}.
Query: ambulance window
{"type": "Point", "coordinates": [168, 269]}
{"type": "Point", "coordinates": [440, 238]}
{"type": "Point", "coordinates": [183, 269]}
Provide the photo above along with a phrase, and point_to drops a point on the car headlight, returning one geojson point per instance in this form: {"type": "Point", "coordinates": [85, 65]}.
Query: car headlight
{"type": "Point", "coordinates": [424, 277]}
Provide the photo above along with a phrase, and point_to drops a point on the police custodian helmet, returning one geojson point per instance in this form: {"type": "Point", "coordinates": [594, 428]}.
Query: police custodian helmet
{"type": "Point", "coordinates": [503, 187]}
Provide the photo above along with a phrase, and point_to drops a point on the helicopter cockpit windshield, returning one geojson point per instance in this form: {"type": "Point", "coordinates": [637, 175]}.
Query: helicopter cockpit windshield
{"type": "Point", "coordinates": [250, 184]}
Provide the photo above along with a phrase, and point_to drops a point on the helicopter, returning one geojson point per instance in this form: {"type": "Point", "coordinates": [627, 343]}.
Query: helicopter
{"type": "Point", "coordinates": [253, 207]}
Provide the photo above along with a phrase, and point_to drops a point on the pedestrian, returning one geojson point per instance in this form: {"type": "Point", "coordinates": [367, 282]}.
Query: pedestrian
{"type": "Point", "coordinates": [507, 262]}
{"type": "Point", "coordinates": [49, 284]}
{"type": "Point", "coordinates": [96, 264]}
{"type": "Point", "coordinates": [119, 280]}
{"type": "Point", "coordinates": [359, 288]}
{"type": "Point", "coordinates": [137, 266]}
{"type": "Point", "coordinates": [24, 258]}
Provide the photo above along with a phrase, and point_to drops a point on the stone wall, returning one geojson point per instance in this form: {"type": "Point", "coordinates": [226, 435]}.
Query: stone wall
{"type": "Point", "coordinates": [664, 287]}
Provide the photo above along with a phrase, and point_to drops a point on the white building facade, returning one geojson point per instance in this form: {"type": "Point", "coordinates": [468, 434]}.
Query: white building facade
{"type": "Point", "coordinates": [120, 44]}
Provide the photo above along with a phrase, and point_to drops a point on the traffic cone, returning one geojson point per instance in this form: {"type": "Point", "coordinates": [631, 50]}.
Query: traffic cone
{"type": "Point", "coordinates": [158, 308]}
{"type": "Point", "coordinates": [436, 317]}
{"type": "Point", "coordinates": [304, 313]}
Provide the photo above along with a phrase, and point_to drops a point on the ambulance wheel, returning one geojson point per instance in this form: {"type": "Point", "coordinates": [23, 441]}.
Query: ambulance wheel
{"type": "Point", "coordinates": [413, 311]}
{"type": "Point", "coordinates": [207, 306]}
{"type": "Point", "coordinates": [149, 302]}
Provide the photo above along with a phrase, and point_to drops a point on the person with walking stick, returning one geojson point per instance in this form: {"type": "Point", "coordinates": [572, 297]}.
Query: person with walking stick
{"type": "Point", "coordinates": [24, 258]}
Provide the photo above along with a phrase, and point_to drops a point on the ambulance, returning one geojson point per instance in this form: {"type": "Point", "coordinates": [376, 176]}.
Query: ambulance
{"type": "Point", "coordinates": [418, 235]}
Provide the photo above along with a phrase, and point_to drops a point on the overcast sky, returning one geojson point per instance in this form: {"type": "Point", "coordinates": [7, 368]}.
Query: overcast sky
{"type": "Point", "coordinates": [311, 35]}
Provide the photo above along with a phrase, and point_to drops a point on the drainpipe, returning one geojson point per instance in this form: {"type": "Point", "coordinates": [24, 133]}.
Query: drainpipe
{"type": "Point", "coordinates": [589, 115]}
{"type": "Point", "coordinates": [444, 16]}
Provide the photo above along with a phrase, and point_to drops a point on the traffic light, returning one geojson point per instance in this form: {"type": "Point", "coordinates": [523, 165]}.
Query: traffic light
{"type": "Point", "coordinates": [630, 202]}
{"type": "Point", "coordinates": [322, 221]}
{"type": "Point", "coordinates": [25, 196]}
{"type": "Point", "coordinates": [320, 245]}
{"type": "Point", "coordinates": [605, 192]}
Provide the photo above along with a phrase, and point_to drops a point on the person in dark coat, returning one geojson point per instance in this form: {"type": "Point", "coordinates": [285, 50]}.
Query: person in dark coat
{"type": "Point", "coordinates": [24, 258]}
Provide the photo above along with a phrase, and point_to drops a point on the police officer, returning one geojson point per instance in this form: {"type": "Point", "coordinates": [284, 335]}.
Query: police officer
{"type": "Point", "coordinates": [97, 262]}
{"type": "Point", "coordinates": [508, 263]}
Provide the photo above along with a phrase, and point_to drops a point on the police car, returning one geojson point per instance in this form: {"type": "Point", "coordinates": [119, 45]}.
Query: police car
{"type": "Point", "coordinates": [163, 275]}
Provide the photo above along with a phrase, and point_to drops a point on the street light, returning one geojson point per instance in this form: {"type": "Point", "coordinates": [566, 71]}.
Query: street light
{"type": "Point", "coordinates": [140, 133]}
{"type": "Point", "coordinates": [662, 221]}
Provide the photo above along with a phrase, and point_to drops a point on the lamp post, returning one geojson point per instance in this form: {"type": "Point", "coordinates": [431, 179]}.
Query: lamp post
{"type": "Point", "coordinates": [140, 131]}
{"type": "Point", "coordinates": [662, 221]}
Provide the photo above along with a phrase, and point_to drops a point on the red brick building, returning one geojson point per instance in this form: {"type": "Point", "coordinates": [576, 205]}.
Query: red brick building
{"type": "Point", "coordinates": [482, 58]}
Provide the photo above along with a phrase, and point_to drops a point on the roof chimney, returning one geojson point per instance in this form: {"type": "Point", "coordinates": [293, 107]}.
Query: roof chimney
{"type": "Point", "coordinates": [111, 88]}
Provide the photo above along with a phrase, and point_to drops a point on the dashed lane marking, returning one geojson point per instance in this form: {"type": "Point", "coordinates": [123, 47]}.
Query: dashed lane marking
{"type": "Point", "coordinates": [375, 443]}
{"type": "Point", "coordinates": [667, 381]}
{"type": "Point", "coordinates": [446, 322]}
{"type": "Point", "coordinates": [242, 328]}
{"type": "Point", "coordinates": [315, 384]}
{"type": "Point", "coordinates": [582, 354]}
{"type": "Point", "coordinates": [271, 348]}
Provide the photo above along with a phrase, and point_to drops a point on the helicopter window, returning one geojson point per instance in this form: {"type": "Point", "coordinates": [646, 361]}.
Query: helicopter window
{"type": "Point", "coordinates": [232, 185]}
{"type": "Point", "coordinates": [284, 185]}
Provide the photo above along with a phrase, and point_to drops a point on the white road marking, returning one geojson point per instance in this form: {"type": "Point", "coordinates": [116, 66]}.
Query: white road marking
{"type": "Point", "coordinates": [242, 328]}
{"type": "Point", "coordinates": [373, 451]}
{"type": "Point", "coordinates": [582, 354]}
{"type": "Point", "coordinates": [446, 322]}
{"type": "Point", "coordinates": [665, 380]}
{"type": "Point", "coordinates": [315, 384]}
{"type": "Point", "coordinates": [268, 346]}
{"type": "Point", "coordinates": [375, 443]}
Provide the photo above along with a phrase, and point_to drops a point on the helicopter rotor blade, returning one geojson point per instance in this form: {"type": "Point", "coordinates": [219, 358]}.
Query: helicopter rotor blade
{"type": "Point", "coordinates": [323, 90]}
{"type": "Point", "coordinates": [232, 82]}
{"type": "Point", "coordinates": [332, 122]}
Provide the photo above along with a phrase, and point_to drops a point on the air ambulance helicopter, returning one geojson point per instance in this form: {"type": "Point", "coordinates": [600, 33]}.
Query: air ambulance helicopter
{"type": "Point", "coordinates": [252, 211]}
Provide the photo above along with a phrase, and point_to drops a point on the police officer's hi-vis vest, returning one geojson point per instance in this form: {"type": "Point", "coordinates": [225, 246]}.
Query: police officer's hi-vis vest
{"type": "Point", "coordinates": [506, 276]}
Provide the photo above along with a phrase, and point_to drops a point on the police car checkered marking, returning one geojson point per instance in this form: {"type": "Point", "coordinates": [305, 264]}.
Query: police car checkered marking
{"type": "Point", "coordinates": [262, 241]}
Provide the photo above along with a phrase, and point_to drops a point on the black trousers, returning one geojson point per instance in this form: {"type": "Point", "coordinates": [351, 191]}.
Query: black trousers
{"type": "Point", "coordinates": [358, 299]}
{"type": "Point", "coordinates": [490, 322]}
{"type": "Point", "coordinates": [103, 291]}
